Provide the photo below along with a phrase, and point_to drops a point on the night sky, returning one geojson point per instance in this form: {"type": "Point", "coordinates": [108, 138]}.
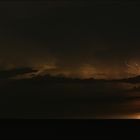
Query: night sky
{"type": "Point", "coordinates": [73, 38]}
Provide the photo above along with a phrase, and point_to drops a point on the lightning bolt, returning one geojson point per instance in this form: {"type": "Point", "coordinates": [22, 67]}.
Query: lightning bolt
{"type": "Point", "coordinates": [134, 68]}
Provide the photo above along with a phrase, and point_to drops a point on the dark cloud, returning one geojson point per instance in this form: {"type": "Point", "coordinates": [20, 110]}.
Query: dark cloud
{"type": "Point", "coordinates": [70, 37]}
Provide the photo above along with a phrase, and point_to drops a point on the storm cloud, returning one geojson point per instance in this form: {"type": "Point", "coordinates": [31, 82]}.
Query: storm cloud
{"type": "Point", "coordinates": [77, 39]}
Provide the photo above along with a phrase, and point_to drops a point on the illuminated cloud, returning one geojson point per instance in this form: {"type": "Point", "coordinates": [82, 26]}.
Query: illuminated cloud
{"type": "Point", "coordinates": [75, 41]}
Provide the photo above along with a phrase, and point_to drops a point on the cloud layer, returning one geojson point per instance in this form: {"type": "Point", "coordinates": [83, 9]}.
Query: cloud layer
{"type": "Point", "coordinates": [74, 39]}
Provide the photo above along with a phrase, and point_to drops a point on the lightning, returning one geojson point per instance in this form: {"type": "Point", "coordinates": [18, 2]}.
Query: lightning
{"type": "Point", "coordinates": [133, 68]}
